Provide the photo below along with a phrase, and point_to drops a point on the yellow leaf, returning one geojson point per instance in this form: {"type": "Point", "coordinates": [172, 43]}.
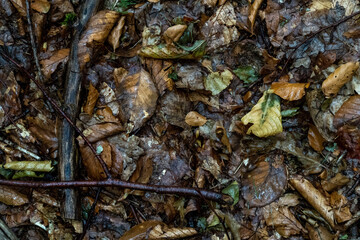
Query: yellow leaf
{"type": "Point", "coordinates": [289, 91]}
{"type": "Point", "coordinates": [265, 116]}
{"type": "Point", "coordinates": [339, 78]}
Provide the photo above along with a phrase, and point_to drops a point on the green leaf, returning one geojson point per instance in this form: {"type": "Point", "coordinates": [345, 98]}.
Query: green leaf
{"type": "Point", "coordinates": [37, 166]}
{"type": "Point", "coordinates": [216, 81]}
{"type": "Point", "coordinates": [233, 191]}
{"type": "Point", "coordinates": [173, 76]}
{"type": "Point", "coordinates": [21, 174]}
{"type": "Point", "coordinates": [248, 74]}
{"type": "Point", "coordinates": [6, 173]}
{"type": "Point", "coordinates": [290, 112]}
{"type": "Point", "coordinates": [163, 51]}
{"type": "Point", "coordinates": [201, 223]}
{"type": "Point", "coordinates": [214, 221]}
{"type": "Point", "coordinates": [70, 18]}
{"type": "Point", "coordinates": [187, 36]}
{"type": "Point", "coordinates": [265, 116]}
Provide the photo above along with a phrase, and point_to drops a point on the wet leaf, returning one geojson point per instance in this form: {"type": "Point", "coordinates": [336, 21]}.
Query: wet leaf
{"type": "Point", "coordinates": [265, 116]}
{"type": "Point", "coordinates": [161, 70]}
{"type": "Point", "coordinates": [173, 33]}
{"type": "Point", "coordinates": [137, 96]}
{"type": "Point", "coordinates": [49, 65]}
{"type": "Point", "coordinates": [114, 36]}
{"type": "Point", "coordinates": [349, 111]}
{"type": "Point", "coordinates": [11, 197]}
{"type": "Point", "coordinates": [233, 191]}
{"type": "Point", "coordinates": [37, 166]}
{"type": "Point", "coordinates": [171, 52]}
{"type": "Point", "coordinates": [315, 139]}
{"type": "Point", "coordinates": [42, 6]}
{"type": "Point", "coordinates": [264, 184]}
{"type": "Point", "coordinates": [349, 139]}
{"type": "Point", "coordinates": [216, 82]}
{"type": "Point", "coordinates": [195, 119]}
{"type": "Point", "coordinates": [253, 10]}
{"type": "Point", "coordinates": [289, 91]}
{"type": "Point", "coordinates": [338, 78]}
{"type": "Point", "coordinates": [100, 131]}
{"type": "Point", "coordinates": [334, 183]}
{"type": "Point", "coordinates": [248, 74]}
{"type": "Point", "coordinates": [341, 210]}
{"type": "Point", "coordinates": [91, 100]}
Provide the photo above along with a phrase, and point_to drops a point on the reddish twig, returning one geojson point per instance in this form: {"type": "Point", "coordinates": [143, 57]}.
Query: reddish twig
{"type": "Point", "coordinates": [313, 35]}
{"type": "Point", "coordinates": [195, 192]}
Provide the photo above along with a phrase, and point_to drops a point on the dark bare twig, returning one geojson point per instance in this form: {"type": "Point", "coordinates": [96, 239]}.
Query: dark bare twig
{"type": "Point", "coordinates": [313, 35]}
{"type": "Point", "coordinates": [218, 197]}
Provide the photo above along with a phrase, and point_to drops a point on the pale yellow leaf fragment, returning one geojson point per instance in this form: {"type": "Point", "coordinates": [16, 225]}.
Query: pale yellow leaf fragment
{"type": "Point", "coordinates": [265, 116]}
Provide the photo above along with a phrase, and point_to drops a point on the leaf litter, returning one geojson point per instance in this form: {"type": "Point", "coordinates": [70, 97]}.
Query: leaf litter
{"type": "Point", "coordinates": [256, 100]}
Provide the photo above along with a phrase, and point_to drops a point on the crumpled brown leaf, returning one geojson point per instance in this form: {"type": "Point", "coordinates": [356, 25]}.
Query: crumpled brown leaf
{"type": "Point", "coordinates": [341, 209]}
{"type": "Point", "coordinates": [253, 10]}
{"type": "Point", "coordinates": [137, 96]}
{"type": "Point", "coordinates": [49, 65]}
{"type": "Point", "coordinates": [114, 36]}
{"type": "Point", "coordinates": [334, 183]}
{"type": "Point", "coordinates": [42, 6]}
{"type": "Point", "coordinates": [338, 78]}
{"type": "Point", "coordinates": [160, 70]}
{"type": "Point", "coordinates": [12, 197]}
{"type": "Point", "coordinates": [348, 112]}
{"type": "Point", "coordinates": [91, 100]}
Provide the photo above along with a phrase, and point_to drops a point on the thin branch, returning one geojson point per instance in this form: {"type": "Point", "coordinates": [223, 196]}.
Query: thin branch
{"type": "Point", "coordinates": [195, 192]}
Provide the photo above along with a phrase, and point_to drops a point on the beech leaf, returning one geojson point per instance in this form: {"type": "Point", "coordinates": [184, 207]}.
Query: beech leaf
{"type": "Point", "coordinates": [216, 81]}
{"type": "Point", "coordinates": [316, 140]}
{"type": "Point", "coordinates": [338, 78]}
{"type": "Point", "coordinates": [91, 100]}
{"type": "Point", "coordinates": [114, 36]}
{"type": "Point", "coordinates": [11, 197]}
{"type": "Point", "coordinates": [173, 33]}
{"type": "Point", "coordinates": [49, 65]}
{"type": "Point", "coordinates": [265, 116]}
{"type": "Point", "coordinates": [195, 119]}
{"type": "Point", "coordinates": [350, 110]}
{"type": "Point", "coordinates": [289, 91]}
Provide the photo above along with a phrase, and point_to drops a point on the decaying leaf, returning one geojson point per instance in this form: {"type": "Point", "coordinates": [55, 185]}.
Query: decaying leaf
{"type": "Point", "coordinates": [319, 232]}
{"type": "Point", "coordinates": [11, 197]}
{"type": "Point", "coordinates": [49, 65]}
{"type": "Point", "coordinates": [264, 184]}
{"type": "Point", "coordinates": [157, 230]}
{"type": "Point", "coordinates": [289, 91]}
{"type": "Point", "coordinates": [173, 33]}
{"type": "Point", "coordinates": [160, 70]}
{"type": "Point", "coordinates": [349, 111]}
{"type": "Point", "coordinates": [315, 139]}
{"type": "Point", "coordinates": [279, 216]}
{"type": "Point", "coordinates": [335, 183]}
{"type": "Point", "coordinates": [314, 197]}
{"type": "Point", "coordinates": [37, 166]}
{"type": "Point", "coordinates": [253, 10]}
{"type": "Point", "coordinates": [42, 6]}
{"type": "Point", "coordinates": [338, 78]}
{"type": "Point", "coordinates": [195, 119]}
{"type": "Point", "coordinates": [100, 131]}
{"type": "Point", "coordinates": [114, 36]}
{"type": "Point", "coordinates": [265, 116]}
{"type": "Point", "coordinates": [137, 96]}
{"type": "Point", "coordinates": [171, 52]}
{"type": "Point", "coordinates": [218, 81]}
{"type": "Point", "coordinates": [341, 210]}
{"type": "Point", "coordinates": [91, 100]}
{"type": "Point", "coordinates": [349, 139]}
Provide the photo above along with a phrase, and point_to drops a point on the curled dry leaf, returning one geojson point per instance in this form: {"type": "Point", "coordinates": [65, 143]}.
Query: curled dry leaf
{"type": "Point", "coordinates": [335, 183]}
{"type": "Point", "coordinates": [49, 65]}
{"type": "Point", "coordinates": [114, 36]}
{"type": "Point", "coordinates": [173, 33]}
{"type": "Point", "coordinates": [91, 100]}
{"type": "Point", "coordinates": [314, 197]}
{"type": "Point", "coordinates": [195, 119]}
{"type": "Point", "coordinates": [98, 29]}
{"type": "Point", "coordinates": [253, 10]}
{"type": "Point", "coordinates": [289, 91]}
{"type": "Point", "coordinates": [349, 111]}
{"type": "Point", "coordinates": [315, 139]}
{"type": "Point", "coordinates": [265, 116]}
{"type": "Point", "coordinates": [338, 78]}
{"type": "Point", "coordinates": [37, 166]}
{"type": "Point", "coordinates": [264, 184]}
{"type": "Point", "coordinates": [137, 96]}
{"type": "Point", "coordinates": [11, 197]}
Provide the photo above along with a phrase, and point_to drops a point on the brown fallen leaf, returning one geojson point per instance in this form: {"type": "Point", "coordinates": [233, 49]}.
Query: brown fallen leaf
{"type": "Point", "coordinates": [335, 183]}
{"type": "Point", "coordinates": [195, 119]}
{"type": "Point", "coordinates": [12, 197]}
{"type": "Point", "coordinates": [289, 91]}
{"type": "Point", "coordinates": [349, 139]}
{"type": "Point", "coordinates": [314, 197]}
{"type": "Point", "coordinates": [91, 100]}
{"type": "Point", "coordinates": [49, 65]}
{"type": "Point", "coordinates": [253, 10]}
{"type": "Point", "coordinates": [173, 33]}
{"type": "Point", "coordinates": [264, 184]}
{"type": "Point", "coordinates": [98, 29]}
{"type": "Point", "coordinates": [114, 36]}
{"type": "Point", "coordinates": [137, 96]}
{"type": "Point", "coordinates": [42, 6]}
{"type": "Point", "coordinates": [349, 111]}
{"type": "Point", "coordinates": [341, 209]}
{"type": "Point", "coordinates": [338, 78]}
{"type": "Point", "coordinates": [142, 174]}
{"type": "Point", "coordinates": [160, 70]}
{"type": "Point", "coordinates": [319, 233]}
{"type": "Point", "coordinates": [315, 139]}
